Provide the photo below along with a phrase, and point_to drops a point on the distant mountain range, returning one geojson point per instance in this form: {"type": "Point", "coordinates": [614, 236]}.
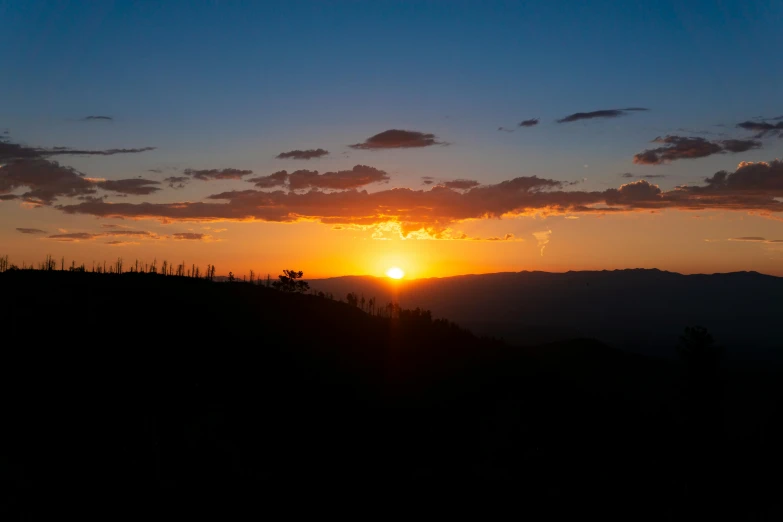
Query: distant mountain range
{"type": "Point", "coordinates": [639, 310]}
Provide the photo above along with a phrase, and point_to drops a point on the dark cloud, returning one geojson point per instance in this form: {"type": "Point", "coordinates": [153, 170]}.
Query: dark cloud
{"type": "Point", "coordinates": [118, 242]}
{"type": "Point", "coordinates": [606, 113]}
{"type": "Point", "coordinates": [61, 151]}
{"type": "Point", "coordinates": [760, 177]}
{"type": "Point", "coordinates": [24, 166]}
{"type": "Point", "coordinates": [74, 236]}
{"type": "Point", "coordinates": [45, 180]}
{"type": "Point", "coordinates": [681, 147]}
{"type": "Point", "coordinates": [134, 186]}
{"type": "Point", "coordinates": [398, 139]}
{"type": "Point", "coordinates": [359, 176]}
{"type": "Point", "coordinates": [763, 128]}
{"type": "Point", "coordinates": [97, 118]}
{"type": "Point", "coordinates": [503, 129]}
{"type": "Point", "coordinates": [740, 145]}
{"type": "Point", "coordinates": [10, 151]}
{"type": "Point", "coordinates": [627, 175]}
{"type": "Point", "coordinates": [87, 236]}
{"type": "Point", "coordinates": [8, 197]}
{"type": "Point", "coordinates": [278, 179]}
{"type": "Point", "coordinates": [756, 239]}
{"type": "Point", "coordinates": [193, 236]}
{"type": "Point", "coordinates": [156, 171]}
{"type": "Point", "coordinates": [31, 231]}
{"type": "Point", "coordinates": [176, 182]}
{"type": "Point", "coordinates": [461, 184]}
{"type": "Point", "coordinates": [303, 154]}
{"type": "Point", "coordinates": [210, 174]}
{"type": "Point", "coordinates": [529, 123]}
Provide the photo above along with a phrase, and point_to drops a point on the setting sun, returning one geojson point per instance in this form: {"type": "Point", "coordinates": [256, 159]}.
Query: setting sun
{"type": "Point", "coordinates": [395, 273]}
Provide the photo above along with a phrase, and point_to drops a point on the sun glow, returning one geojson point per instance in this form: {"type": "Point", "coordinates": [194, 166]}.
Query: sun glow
{"type": "Point", "coordinates": [395, 273]}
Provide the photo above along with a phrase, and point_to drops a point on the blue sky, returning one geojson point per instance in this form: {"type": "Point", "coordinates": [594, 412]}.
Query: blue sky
{"type": "Point", "coordinates": [232, 84]}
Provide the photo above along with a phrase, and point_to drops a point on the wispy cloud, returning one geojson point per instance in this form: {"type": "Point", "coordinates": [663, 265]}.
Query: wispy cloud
{"type": "Point", "coordinates": [216, 174]}
{"type": "Point", "coordinates": [177, 182]}
{"type": "Point", "coordinates": [756, 239]}
{"type": "Point", "coordinates": [31, 231]}
{"type": "Point", "coordinates": [605, 113]}
{"type": "Point", "coordinates": [97, 118]}
{"type": "Point", "coordinates": [543, 239]}
{"type": "Point", "coordinates": [134, 186]}
{"type": "Point", "coordinates": [191, 236]}
{"type": "Point", "coordinates": [461, 184]}
{"type": "Point", "coordinates": [528, 123]}
{"type": "Point", "coordinates": [763, 128]}
{"type": "Point", "coordinates": [680, 147]}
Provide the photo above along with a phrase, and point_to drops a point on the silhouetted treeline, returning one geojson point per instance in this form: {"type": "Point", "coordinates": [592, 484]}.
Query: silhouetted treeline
{"type": "Point", "coordinates": [177, 382]}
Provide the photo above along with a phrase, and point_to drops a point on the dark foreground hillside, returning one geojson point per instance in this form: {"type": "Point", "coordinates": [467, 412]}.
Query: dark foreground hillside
{"type": "Point", "coordinates": [145, 381]}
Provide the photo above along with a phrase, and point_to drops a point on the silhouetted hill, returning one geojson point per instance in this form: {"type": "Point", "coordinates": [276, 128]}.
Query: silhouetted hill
{"type": "Point", "coordinates": [143, 381]}
{"type": "Point", "coordinates": [638, 310]}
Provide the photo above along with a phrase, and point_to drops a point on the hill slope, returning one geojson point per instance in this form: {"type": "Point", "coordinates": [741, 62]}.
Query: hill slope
{"type": "Point", "coordinates": [174, 382]}
{"type": "Point", "coordinates": [639, 310]}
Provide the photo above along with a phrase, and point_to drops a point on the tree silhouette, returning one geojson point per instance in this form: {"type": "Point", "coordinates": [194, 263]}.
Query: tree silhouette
{"type": "Point", "coordinates": [291, 281]}
{"type": "Point", "coordinates": [697, 349]}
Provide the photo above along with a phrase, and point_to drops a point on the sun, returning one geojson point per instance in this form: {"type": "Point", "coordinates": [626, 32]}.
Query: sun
{"type": "Point", "coordinates": [395, 273]}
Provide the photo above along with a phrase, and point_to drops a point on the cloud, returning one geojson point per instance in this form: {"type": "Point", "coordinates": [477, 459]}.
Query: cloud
{"type": "Point", "coordinates": [529, 123]}
{"type": "Point", "coordinates": [278, 179]}
{"type": "Point", "coordinates": [45, 180]}
{"type": "Point", "coordinates": [31, 231]}
{"type": "Point", "coordinates": [156, 171]}
{"type": "Point", "coordinates": [756, 239]}
{"type": "Point", "coordinates": [398, 139]}
{"type": "Point", "coordinates": [740, 145]}
{"type": "Point", "coordinates": [646, 176]}
{"type": "Point", "coordinates": [97, 118]}
{"type": "Point", "coordinates": [752, 187]}
{"type": "Point", "coordinates": [606, 113]}
{"type": "Point", "coordinates": [118, 242]}
{"type": "Point", "coordinates": [303, 154]}
{"type": "Point", "coordinates": [8, 197]}
{"type": "Point", "coordinates": [192, 236]}
{"type": "Point", "coordinates": [461, 184]}
{"type": "Point", "coordinates": [543, 239]}
{"type": "Point", "coordinates": [507, 237]}
{"type": "Point", "coordinates": [358, 176]}
{"type": "Point", "coordinates": [763, 128]}
{"type": "Point", "coordinates": [177, 182]}
{"type": "Point", "coordinates": [134, 186]}
{"type": "Point", "coordinates": [87, 236]}
{"type": "Point", "coordinates": [74, 236]}
{"type": "Point", "coordinates": [503, 129]}
{"type": "Point", "coordinates": [680, 147]}
{"type": "Point", "coordinates": [427, 180]}
{"type": "Point", "coordinates": [210, 174]}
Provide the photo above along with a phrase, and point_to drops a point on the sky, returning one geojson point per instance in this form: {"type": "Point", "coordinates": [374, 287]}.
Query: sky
{"type": "Point", "coordinates": [348, 137]}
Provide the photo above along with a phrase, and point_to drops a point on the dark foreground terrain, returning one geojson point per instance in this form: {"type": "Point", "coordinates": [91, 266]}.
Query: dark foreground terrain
{"type": "Point", "coordinates": [637, 310]}
{"type": "Point", "coordinates": [149, 382]}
